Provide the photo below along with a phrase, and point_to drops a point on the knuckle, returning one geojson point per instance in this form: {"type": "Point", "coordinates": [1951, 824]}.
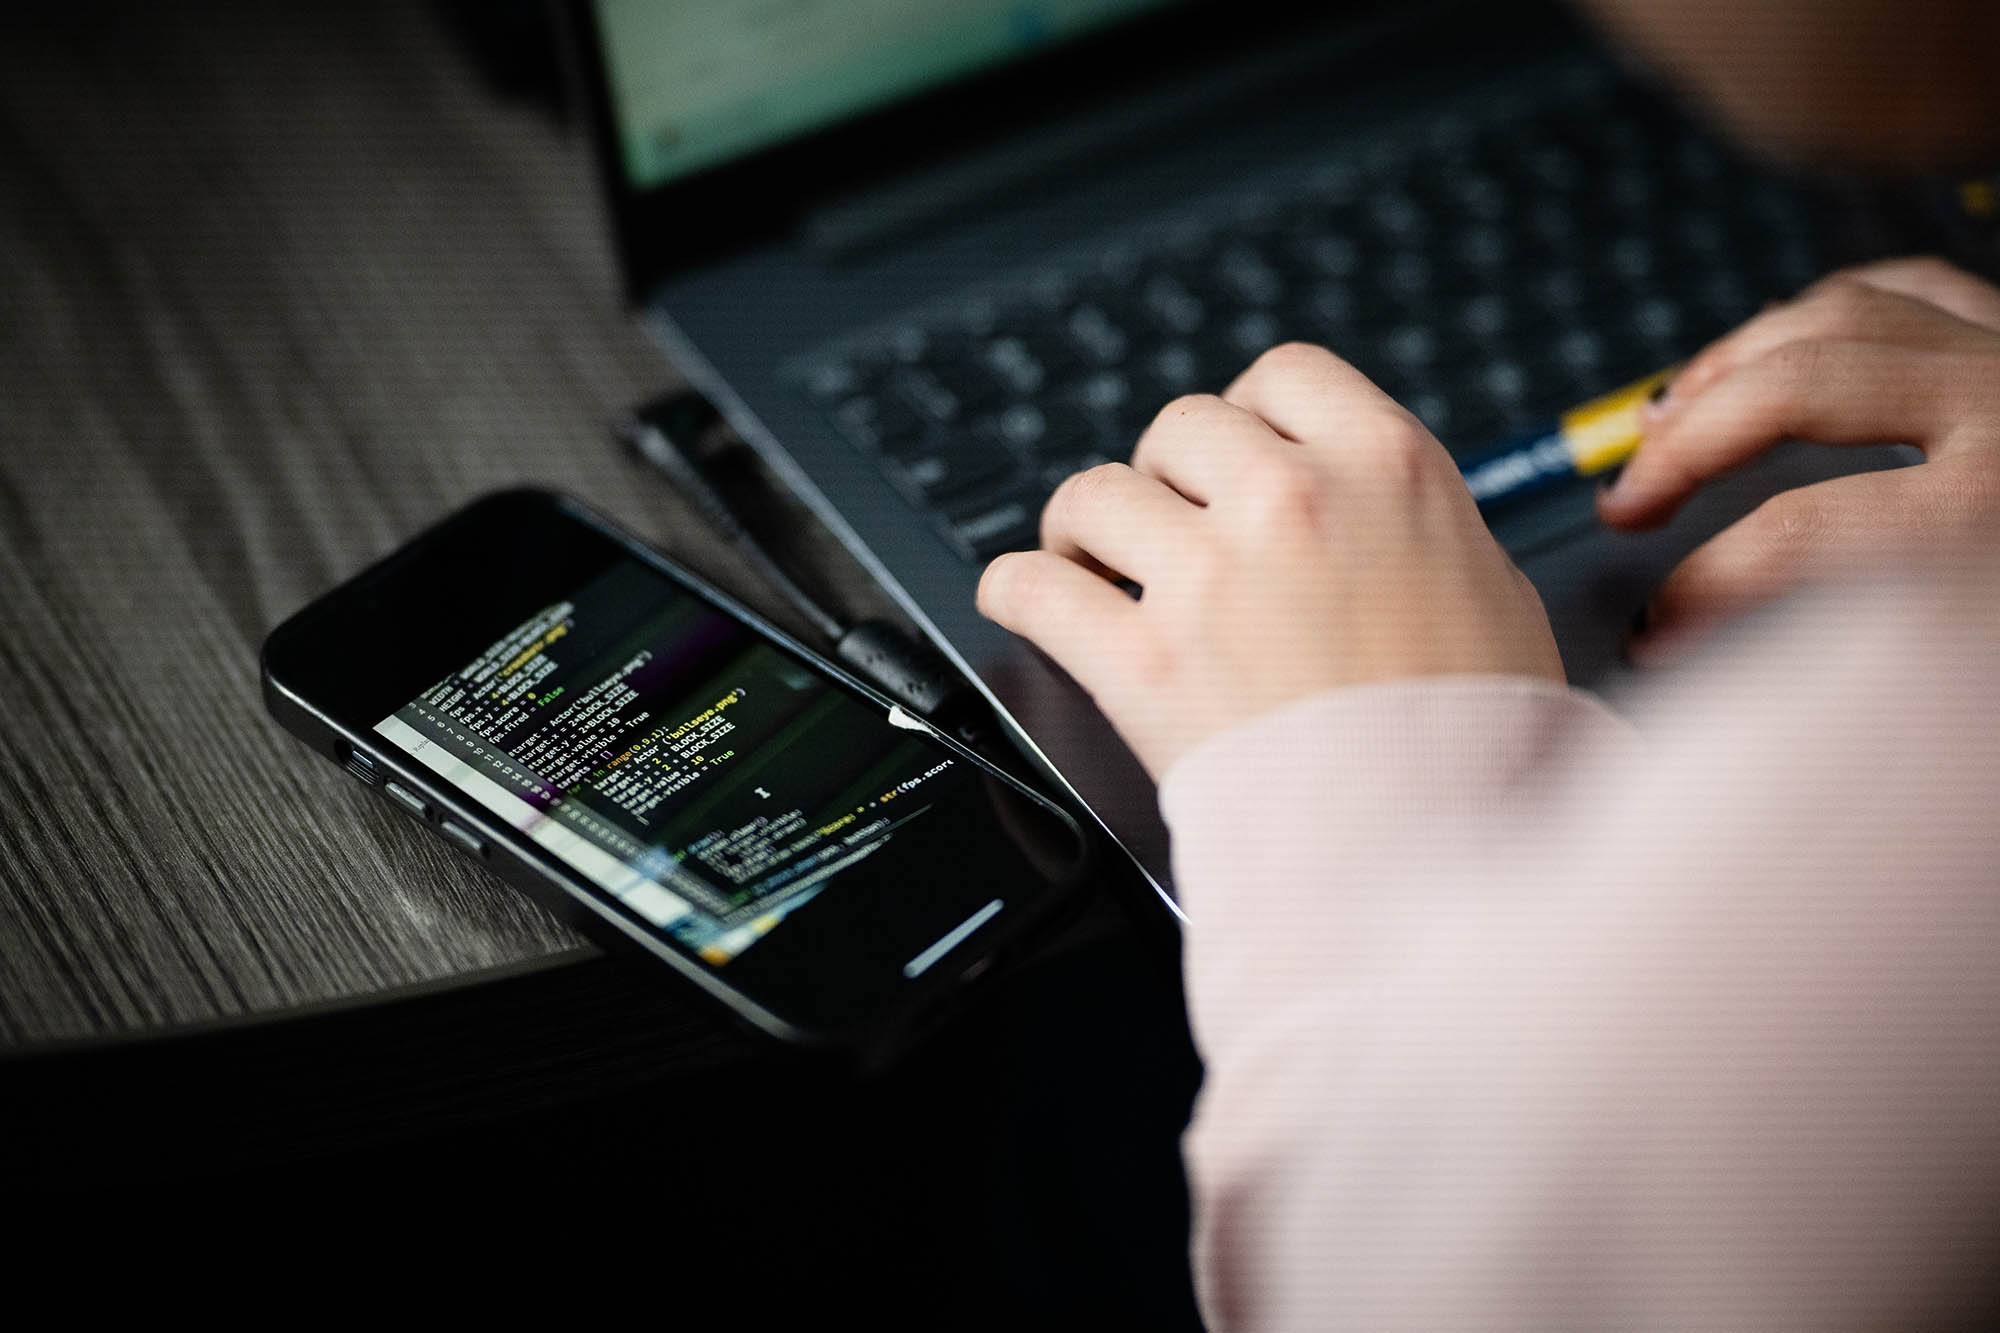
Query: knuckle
{"type": "Point", "coordinates": [1982, 495]}
{"type": "Point", "coordinates": [1081, 492]}
{"type": "Point", "coordinates": [1277, 486]}
{"type": "Point", "coordinates": [1798, 366]}
{"type": "Point", "coordinates": [1291, 358]}
{"type": "Point", "coordinates": [1845, 302]}
{"type": "Point", "coordinates": [1971, 502]}
{"type": "Point", "coordinates": [1186, 406]}
{"type": "Point", "coordinates": [1916, 266]}
{"type": "Point", "coordinates": [1404, 443]}
{"type": "Point", "coordinates": [1788, 524]}
{"type": "Point", "coordinates": [1175, 421]}
{"type": "Point", "coordinates": [1974, 377]}
{"type": "Point", "coordinates": [1867, 271]}
{"type": "Point", "coordinates": [1401, 454]}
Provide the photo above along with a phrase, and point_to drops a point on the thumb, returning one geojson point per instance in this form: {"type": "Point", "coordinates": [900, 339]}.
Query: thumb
{"type": "Point", "coordinates": [1794, 538]}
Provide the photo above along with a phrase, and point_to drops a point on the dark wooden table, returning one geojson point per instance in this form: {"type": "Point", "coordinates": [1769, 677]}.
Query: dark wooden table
{"type": "Point", "coordinates": [278, 286]}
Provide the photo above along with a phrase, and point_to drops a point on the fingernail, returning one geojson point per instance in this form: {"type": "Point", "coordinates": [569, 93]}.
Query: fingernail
{"type": "Point", "coordinates": [1657, 403]}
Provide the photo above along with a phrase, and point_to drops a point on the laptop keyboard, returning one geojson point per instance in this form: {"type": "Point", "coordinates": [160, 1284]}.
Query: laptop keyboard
{"type": "Point", "coordinates": [1487, 274]}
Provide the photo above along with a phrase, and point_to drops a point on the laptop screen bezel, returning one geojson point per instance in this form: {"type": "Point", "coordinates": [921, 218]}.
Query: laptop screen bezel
{"type": "Point", "coordinates": [762, 197]}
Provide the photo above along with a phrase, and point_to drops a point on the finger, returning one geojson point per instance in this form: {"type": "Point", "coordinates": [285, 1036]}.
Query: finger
{"type": "Point", "coordinates": [1198, 445]}
{"type": "Point", "coordinates": [1126, 522]}
{"type": "Point", "coordinates": [1826, 391]}
{"type": "Point", "coordinates": [1846, 305]}
{"type": "Point", "coordinates": [1308, 394]}
{"type": "Point", "coordinates": [1089, 627]}
{"type": "Point", "coordinates": [1789, 540]}
{"type": "Point", "coordinates": [1946, 286]}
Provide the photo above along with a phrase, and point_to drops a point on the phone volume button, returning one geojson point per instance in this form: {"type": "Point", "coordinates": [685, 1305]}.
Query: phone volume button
{"type": "Point", "coordinates": [408, 799]}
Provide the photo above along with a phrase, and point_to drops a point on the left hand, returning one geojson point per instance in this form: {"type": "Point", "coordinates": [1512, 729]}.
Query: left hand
{"type": "Point", "coordinates": [1300, 533]}
{"type": "Point", "coordinates": [1901, 352]}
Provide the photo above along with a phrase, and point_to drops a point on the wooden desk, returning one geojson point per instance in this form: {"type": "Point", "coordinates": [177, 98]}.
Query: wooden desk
{"type": "Point", "coordinates": [278, 286]}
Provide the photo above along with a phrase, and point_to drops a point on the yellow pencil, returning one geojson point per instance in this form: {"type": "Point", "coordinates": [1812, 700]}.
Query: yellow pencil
{"type": "Point", "coordinates": [1591, 438]}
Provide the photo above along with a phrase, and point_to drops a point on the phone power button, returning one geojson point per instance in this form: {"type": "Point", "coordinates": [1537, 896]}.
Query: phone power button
{"type": "Point", "coordinates": [465, 838]}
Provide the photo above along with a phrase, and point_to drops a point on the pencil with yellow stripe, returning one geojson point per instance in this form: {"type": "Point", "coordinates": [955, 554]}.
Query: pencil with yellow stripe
{"type": "Point", "coordinates": [1595, 437]}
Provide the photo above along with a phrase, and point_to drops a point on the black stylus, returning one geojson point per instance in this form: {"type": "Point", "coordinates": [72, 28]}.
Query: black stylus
{"type": "Point", "coordinates": [670, 434]}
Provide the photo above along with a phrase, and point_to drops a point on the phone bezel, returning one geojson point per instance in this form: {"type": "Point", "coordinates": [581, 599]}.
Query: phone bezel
{"type": "Point", "coordinates": [317, 693]}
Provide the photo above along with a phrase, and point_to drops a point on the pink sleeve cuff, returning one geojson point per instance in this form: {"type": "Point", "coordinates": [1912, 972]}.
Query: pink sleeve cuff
{"type": "Point", "coordinates": [1293, 830]}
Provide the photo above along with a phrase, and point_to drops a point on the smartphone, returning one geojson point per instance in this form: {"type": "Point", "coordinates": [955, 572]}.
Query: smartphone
{"type": "Point", "coordinates": [666, 770]}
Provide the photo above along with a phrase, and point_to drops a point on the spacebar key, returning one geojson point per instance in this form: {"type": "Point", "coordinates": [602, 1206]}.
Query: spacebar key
{"type": "Point", "coordinates": [983, 527]}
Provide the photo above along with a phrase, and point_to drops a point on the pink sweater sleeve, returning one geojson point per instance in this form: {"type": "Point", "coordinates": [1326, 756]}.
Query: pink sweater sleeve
{"type": "Point", "coordinates": [1517, 1017]}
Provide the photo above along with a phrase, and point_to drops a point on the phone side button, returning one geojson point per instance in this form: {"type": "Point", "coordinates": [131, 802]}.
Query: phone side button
{"type": "Point", "coordinates": [463, 837]}
{"type": "Point", "coordinates": [362, 765]}
{"type": "Point", "coordinates": [408, 799]}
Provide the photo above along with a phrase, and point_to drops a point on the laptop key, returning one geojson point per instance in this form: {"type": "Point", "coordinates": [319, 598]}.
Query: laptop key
{"type": "Point", "coordinates": [1172, 306]}
{"type": "Point", "coordinates": [1104, 392]}
{"type": "Point", "coordinates": [1658, 321]}
{"type": "Point", "coordinates": [952, 466]}
{"type": "Point", "coordinates": [1411, 348]}
{"type": "Point", "coordinates": [831, 381]}
{"type": "Point", "coordinates": [1021, 426]}
{"type": "Point", "coordinates": [1172, 369]}
{"type": "Point", "coordinates": [969, 382]}
{"type": "Point", "coordinates": [1332, 310]}
{"type": "Point", "coordinates": [1483, 250]}
{"type": "Point", "coordinates": [1434, 410]}
{"type": "Point", "coordinates": [1067, 429]}
{"type": "Point", "coordinates": [1096, 334]}
{"type": "Point", "coordinates": [1398, 217]}
{"type": "Point", "coordinates": [1485, 317]}
{"type": "Point", "coordinates": [1015, 364]}
{"type": "Point", "coordinates": [1248, 277]}
{"type": "Point", "coordinates": [922, 390]}
{"type": "Point", "coordinates": [878, 425]}
{"type": "Point", "coordinates": [1405, 278]}
{"type": "Point", "coordinates": [995, 522]}
{"type": "Point", "coordinates": [1252, 334]}
{"type": "Point", "coordinates": [1132, 421]}
{"type": "Point", "coordinates": [1331, 254]}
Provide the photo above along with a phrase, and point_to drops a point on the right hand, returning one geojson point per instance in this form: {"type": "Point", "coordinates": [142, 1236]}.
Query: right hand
{"type": "Point", "coordinates": [1902, 352]}
{"type": "Point", "coordinates": [1300, 533]}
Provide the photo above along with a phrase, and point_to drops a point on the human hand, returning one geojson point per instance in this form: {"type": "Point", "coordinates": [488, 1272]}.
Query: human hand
{"type": "Point", "coordinates": [1299, 533]}
{"type": "Point", "coordinates": [1906, 352]}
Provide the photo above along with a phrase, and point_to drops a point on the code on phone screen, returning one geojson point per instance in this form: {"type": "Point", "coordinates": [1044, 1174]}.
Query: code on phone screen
{"type": "Point", "coordinates": [700, 774]}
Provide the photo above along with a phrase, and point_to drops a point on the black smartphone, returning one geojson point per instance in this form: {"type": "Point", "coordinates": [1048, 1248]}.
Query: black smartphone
{"type": "Point", "coordinates": [630, 746]}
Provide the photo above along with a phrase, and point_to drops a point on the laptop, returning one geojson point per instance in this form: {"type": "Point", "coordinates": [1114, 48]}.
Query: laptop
{"type": "Point", "coordinates": [931, 256]}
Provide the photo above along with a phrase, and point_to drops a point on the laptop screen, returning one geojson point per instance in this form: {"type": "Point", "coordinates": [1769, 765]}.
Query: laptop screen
{"type": "Point", "coordinates": [696, 85]}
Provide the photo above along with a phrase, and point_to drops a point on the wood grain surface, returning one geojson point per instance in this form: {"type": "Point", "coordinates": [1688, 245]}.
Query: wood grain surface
{"type": "Point", "coordinates": [278, 286]}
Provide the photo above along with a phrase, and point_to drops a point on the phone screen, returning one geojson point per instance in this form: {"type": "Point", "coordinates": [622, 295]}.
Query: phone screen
{"type": "Point", "coordinates": [714, 783]}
